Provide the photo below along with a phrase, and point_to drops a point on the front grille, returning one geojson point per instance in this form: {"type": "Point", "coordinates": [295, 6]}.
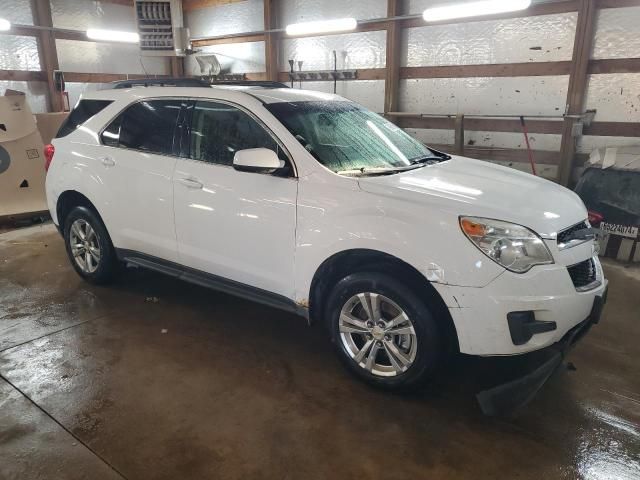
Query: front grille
{"type": "Point", "coordinates": [564, 236]}
{"type": "Point", "coordinates": [583, 274]}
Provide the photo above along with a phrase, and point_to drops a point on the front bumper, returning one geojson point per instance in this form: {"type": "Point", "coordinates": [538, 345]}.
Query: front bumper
{"type": "Point", "coordinates": [481, 315]}
{"type": "Point", "coordinates": [510, 396]}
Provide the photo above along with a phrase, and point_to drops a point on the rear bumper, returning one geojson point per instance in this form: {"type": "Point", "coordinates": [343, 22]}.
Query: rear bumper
{"type": "Point", "coordinates": [510, 396]}
{"type": "Point", "coordinates": [517, 314]}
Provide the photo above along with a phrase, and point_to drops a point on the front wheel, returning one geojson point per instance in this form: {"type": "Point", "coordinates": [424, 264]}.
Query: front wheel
{"type": "Point", "coordinates": [384, 333]}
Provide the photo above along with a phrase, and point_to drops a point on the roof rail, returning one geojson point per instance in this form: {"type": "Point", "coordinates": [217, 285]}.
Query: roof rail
{"type": "Point", "coordinates": [251, 83]}
{"type": "Point", "coordinates": [159, 82]}
{"type": "Point", "coordinates": [190, 82]}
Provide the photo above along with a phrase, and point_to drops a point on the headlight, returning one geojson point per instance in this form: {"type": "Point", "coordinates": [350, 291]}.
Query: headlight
{"type": "Point", "coordinates": [513, 246]}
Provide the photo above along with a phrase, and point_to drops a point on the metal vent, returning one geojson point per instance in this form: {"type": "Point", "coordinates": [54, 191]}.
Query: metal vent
{"type": "Point", "coordinates": [583, 275]}
{"type": "Point", "coordinates": [160, 27]}
{"type": "Point", "coordinates": [564, 237]}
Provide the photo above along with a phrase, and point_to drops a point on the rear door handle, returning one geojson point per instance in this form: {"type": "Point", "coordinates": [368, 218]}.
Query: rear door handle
{"type": "Point", "coordinates": [191, 183]}
{"type": "Point", "coordinates": [108, 161]}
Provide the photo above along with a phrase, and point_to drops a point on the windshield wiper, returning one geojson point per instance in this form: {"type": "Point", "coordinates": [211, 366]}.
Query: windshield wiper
{"type": "Point", "coordinates": [429, 159]}
{"type": "Point", "coordinates": [364, 171]}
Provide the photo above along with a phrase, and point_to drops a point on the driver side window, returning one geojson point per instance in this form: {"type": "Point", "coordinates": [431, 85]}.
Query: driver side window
{"type": "Point", "coordinates": [218, 131]}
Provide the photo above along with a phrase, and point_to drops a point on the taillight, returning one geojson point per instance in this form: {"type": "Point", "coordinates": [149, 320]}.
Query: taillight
{"type": "Point", "coordinates": [49, 150]}
{"type": "Point", "coordinates": [594, 218]}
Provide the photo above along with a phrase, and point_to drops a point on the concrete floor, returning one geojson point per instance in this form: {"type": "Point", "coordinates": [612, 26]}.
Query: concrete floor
{"type": "Point", "coordinates": [106, 383]}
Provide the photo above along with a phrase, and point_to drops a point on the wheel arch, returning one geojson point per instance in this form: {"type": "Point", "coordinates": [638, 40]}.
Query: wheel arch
{"type": "Point", "coordinates": [343, 263]}
{"type": "Point", "coordinates": [68, 200]}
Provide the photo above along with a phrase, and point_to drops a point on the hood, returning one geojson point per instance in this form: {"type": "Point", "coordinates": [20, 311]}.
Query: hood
{"type": "Point", "coordinates": [464, 186]}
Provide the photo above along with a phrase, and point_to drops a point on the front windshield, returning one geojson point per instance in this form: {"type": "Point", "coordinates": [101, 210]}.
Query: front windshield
{"type": "Point", "coordinates": [350, 139]}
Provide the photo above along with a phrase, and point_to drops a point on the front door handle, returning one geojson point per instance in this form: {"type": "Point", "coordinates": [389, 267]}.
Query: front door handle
{"type": "Point", "coordinates": [191, 183]}
{"type": "Point", "coordinates": [107, 161]}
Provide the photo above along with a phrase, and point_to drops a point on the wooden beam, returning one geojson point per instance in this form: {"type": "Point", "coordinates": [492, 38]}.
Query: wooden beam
{"type": "Point", "coordinates": [177, 66]}
{"type": "Point", "coordinates": [271, 39]}
{"type": "Point", "coordinates": [578, 82]}
{"type": "Point", "coordinates": [41, 10]}
{"type": "Point", "coordinates": [513, 155]}
{"type": "Point", "coordinates": [363, 74]}
{"type": "Point", "coordinates": [393, 57]}
{"type": "Point", "coordinates": [189, 5]}
{"type": "Point", "coordinates": [618, 3]}
{"type": "Point", "coordinates": [614, 65]}
{"type": "Point", "coordinates": [551, 127]}
{"type": "Point", "coordinates": [533, 11]}
{"type": "Point", "coordinates": [529, 69]}
{"type": "Point", "coordinates": [23, 75]}
{"type": "Point", "coordinates": [613, 129]}
{"type": "Point", "coordinates": [458, 134]}
{"type": "Point", "coordinates": [253, 37]}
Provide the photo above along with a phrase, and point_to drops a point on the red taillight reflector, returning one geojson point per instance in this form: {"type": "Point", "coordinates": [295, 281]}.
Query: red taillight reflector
{"type": "Point", "coordinates": [594, 217]}
{"type": "Point", "coordinates": [49, 150]}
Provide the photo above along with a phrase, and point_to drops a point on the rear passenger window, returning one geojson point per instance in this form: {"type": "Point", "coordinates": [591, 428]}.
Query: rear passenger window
{"type": "Point", "coordinates": [83, 112]}
{"type": "Point", "coordinates": [218, 131]}
{"type": "Point", "coordinates": [148, 125]}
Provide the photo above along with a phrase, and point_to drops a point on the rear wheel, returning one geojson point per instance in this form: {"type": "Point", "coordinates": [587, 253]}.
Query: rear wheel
{"type": "Point", "coordinates": [89, 246]}
{"type": "Point", "coordinates": [383, 332]}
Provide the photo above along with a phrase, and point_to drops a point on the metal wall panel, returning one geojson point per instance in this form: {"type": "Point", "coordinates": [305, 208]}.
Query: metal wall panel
{"type": "Point", "coordinates": [617, 33]}
{"type": "Point", "coordinates": [616, 97]}
{"type": "Point", "coordinates": [99, 57]}
{"type": "Point", "coordinates": [354, 50]}
{"type": "Point", "coordinates": [369, 93]}
{"type": "Point", "coordinates": [83, 14]}
{"type": "Point", "coordinates": [516, 141]}
{"type": "Point", "coordinates": [487, 95]}
{"type": "Point", "coordinates": [432, 137]}
{"type": "Point", "coordinates": [16, 12]}
{"type": "Point", "coordinates": [19, 53]}
{"type": "Point", "coordinates": [531, 39]}
{"type": "Point", "coordinates": [36, 93]}
{"type": "Point", "coordinates": [226, 19]}
{"type": "Point", "coordinates": [233, 57]}
{"type": "Point", "coordinates": [294, 11]}
{"type": "Point", "coordinates": [75, 89]}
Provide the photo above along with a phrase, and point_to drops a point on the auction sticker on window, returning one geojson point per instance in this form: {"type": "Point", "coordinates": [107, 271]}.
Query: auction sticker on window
{"type": "Point", "coordinates": [622, 230]}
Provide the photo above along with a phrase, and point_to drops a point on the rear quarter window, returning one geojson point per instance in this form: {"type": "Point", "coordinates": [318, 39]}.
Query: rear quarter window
{"type": "Point", "coordinates": [83, 112]}
{"type": "Point", "coordinates": [148, 125]}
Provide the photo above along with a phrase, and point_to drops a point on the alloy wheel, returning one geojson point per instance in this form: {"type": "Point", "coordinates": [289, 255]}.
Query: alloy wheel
{"type": "Point", "coordinates": [377, 334]}
{"type": "Point", "coordinates": [85, 246]}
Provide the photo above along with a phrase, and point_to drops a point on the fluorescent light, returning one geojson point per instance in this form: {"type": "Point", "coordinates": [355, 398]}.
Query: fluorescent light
{"type": "Point", "coordinates": [112, 36]}
{"type": "Point", "coordinates": [4, 24]}
{"type": "Point", "coordinates": [474, 9]}
{"type": "Point", "coordinates": [322, 26]}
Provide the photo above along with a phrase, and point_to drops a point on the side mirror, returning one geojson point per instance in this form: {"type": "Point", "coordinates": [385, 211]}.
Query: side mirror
{"type": "Point", "coordinates": [257, 160]}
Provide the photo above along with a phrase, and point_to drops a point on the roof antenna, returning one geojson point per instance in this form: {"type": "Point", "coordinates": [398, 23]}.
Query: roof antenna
{"type": "Point", "coordinates": [143, 69]}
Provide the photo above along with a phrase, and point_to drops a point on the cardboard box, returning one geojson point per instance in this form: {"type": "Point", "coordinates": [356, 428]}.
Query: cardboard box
{"type": "Point", "coordinates": [22, 172]}
{"type": "Point", "coordinates": [49, 124]}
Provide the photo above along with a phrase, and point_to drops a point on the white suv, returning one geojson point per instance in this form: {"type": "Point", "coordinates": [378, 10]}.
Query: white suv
{"type": "Point", "coordinates": [308, 202]}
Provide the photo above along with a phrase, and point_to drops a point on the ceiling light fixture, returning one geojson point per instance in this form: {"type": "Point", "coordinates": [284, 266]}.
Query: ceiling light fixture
{"type": "Point", "coordinates": [4, 25]}
{"type": "Point", "coordinates": [322, 26]}
{"type": "Point", "coordinates": [474, 9]}
{"type": "Point", "coordinates": [112, 36]}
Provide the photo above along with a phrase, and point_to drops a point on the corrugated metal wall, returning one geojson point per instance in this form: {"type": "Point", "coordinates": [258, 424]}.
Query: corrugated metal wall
{"type": "Point", "coordinates": [615, 96]}
{"type": "Point", "coordinates": [519, 40]}
{"type": "Point", "coordinates": [21, 53]}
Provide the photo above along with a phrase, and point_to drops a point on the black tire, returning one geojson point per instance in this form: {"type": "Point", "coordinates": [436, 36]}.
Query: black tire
{"type": "Point", "coordinates": [108, 262]}
{"type": "Point", "coordinates": [429, 339]}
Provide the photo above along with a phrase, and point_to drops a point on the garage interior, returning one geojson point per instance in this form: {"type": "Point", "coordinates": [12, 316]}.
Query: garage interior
{"type": "Point", "coordinates": [152, 377]}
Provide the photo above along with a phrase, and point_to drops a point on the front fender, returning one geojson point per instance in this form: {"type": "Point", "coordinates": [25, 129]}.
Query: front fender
{"type": "Point", "coordinates": [338, 216]}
